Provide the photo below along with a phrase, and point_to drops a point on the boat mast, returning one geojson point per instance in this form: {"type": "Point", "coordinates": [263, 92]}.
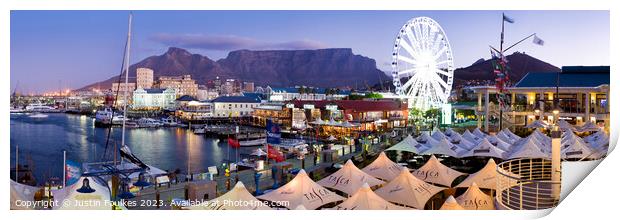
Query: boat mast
{"type": "Point", "coordinates": [127, 50]}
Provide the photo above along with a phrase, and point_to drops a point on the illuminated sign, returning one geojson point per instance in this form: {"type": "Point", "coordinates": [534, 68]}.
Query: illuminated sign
{"type": "Point", "coordinates": [331, 107]}
{"type": "Point", "coordinates": [308, 106]}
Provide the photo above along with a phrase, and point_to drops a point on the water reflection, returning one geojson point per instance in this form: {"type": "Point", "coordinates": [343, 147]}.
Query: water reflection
{"type": "Point", "coordinates": [167, 148]}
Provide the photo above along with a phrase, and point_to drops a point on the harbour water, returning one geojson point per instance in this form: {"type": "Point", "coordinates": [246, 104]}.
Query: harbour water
{"type": "Point", "coordinates": [42, 141]}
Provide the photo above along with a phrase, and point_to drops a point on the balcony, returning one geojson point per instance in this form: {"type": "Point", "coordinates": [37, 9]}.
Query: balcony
{"type": "Point", "coordinates": [525, 184]}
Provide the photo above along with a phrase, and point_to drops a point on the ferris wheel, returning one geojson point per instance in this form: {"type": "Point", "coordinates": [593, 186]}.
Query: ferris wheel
{"type": "Point", "coordinates": [422, 64]}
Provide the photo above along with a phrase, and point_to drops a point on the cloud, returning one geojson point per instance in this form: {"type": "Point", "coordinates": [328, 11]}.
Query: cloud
{"type": "Point", "coordinates": [230, 42]}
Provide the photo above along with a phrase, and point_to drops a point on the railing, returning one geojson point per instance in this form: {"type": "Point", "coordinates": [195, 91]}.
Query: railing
{"type": "Point", "coordinates": [525, 184]}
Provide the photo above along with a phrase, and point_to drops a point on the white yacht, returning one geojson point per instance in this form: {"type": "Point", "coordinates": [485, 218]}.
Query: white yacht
{"type": "Point", "coordinates": [104, 118]}
{"type": "Point", "coordinates": [148, 123]}
{"type": "Point", "coordinates": [38, 115]}
{"type": "Point", "coordinates": [38, 107]}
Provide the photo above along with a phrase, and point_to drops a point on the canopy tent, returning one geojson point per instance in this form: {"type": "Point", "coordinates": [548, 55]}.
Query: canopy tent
{"type": "Point", "coordinates": [451, 204]}
{"type": "Point", "coordinates": [470, 137]}
{"type": "Point", "coordinates": [510, 134]}
{"type": "Point", "coordinates": [537, 124]}
{"type": "Point", "coordinates": [435, 172]}
{"type": "Point", "coordinates": [455, 136]}
{"type": "Point", "coordinates": [332, 138]}
{"type": "Point", "coordinates": [408, 190]}
{"type": "Point", "coordinates": [365, 199]}
{"type": "Point", "coordinates": [464, 143]}
{"type": "Point", "coordinates": [348, 179]}
{"type": "Point", "coordinates": [408, 144]}
{"type": "Point", "coordinates": [505, 137]}
{"type": "Point", "coordinates": [478, 133]}
{"type": "Point", "coordinates": [301, 190]}
{"type": "Point", "coordinates": [540, 136]}
{"type": "Point", "coordinates": [243, 200]}
{"type": "Point", "coordinates": [597, 140]}
{"type": "Point", "coordinates": [437, 134]}
{"type": "Point", "coordinates": [498, 142]}
{"type": "Point", "coordinates": [565, 126]}
{"type": "Point", "coordinates": [475, 199]}
{"type": "Point", "coordinates": [444, 147]}
{"type": "Point", "coordinates": [383, 168]}
{"type": "Point", "coordinates": [258, 152]}
{"type": "Point", "coordinates": [486, 177]}
{"type": "Point", "coordinates": [449, 132]}
{"type": "Point", "coordinates": [575, 148]}
{"type": "Point", "coordinates": [22, 193]}
{"type": "Point", "coordinates": [69, 198]}
{"type": "Point", "coordinates": [317, 121]}
{"type": "Point", "coordinates": [587, 127]}
{"type": "Point", "coordinates": [426, 140]}
{"type": "Point", "coordinates": [485, 149]}
{"type": "Point", "coordinates": [527, 149]}
{"type": "Point", "coordinates": [151, 171]}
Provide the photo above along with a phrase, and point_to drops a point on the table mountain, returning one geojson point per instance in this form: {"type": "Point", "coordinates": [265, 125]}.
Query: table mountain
{"type": "Point", "coordinates": [336, 67]}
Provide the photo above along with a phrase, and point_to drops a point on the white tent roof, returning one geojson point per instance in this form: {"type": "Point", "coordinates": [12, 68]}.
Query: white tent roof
{"type": "Point", "coordinates": [575, 147]}
{"type": "Point", "coordinates": [427, 140]}
{"type": "Point", "coordinates": [21, 192]}
{"type": "Point", "coordinates": [451, 204]}
{"type": "Point", "coordinates": [449, 132]}
{"type": "Point", "coordinates": [527, 149]}
{"type": "Point", "coordinates": [243, 201]}
{"type": "Point", "coordinates": [455, 136]}
{"type": "Point", "coordinates": [478, 133]}
{"type": "Point", "coordinates": [465, 144]}
{"type": "Point", "coordinates": [588, 126]}
{"type": "Point", "coordinates": [348, 179]}
{"type": "Point", "coordinates": [475, 199]}
{"type": "Point", "coordinates": [505, 137]}
{"type": "Point", "coordinates": [70, 199]}
{"type": "Point", "coordinates": [565, 126]}
{"type": "Point", "coordinates": [365, 199]}
{"type": "Point", "coordinates": [510, 134]}
{"type": "Point", "coordinates": [435, 172]}
{"type": "Point", "coordinates": [408, 144]}
{"type": "Point", "coordinates": [470, 137]}
{"type": "Point", "coordinates": [485, 149]}
{"type": "Point", "coordinates": [408, 190]}
{"type": "Point", "coordinates": [498, 142]}
{"type": "Point", "coordinates": [485, 177]}
{"type": "Point", "coordinates": [597, 140]}
{"type": "Point", "coordinates": [152, 171]}
{"type": "Point", "coordinates": [301, 190]}
{"type": "Point", "coordinates": [537, 124]}
{"type": "Point", "coordinates": [259, 152]}
{"type": "Point", "coordinates": [444, 147]}
{"type": "Point", "coordinates": [383, 168]}
{"type": "Point", "coordinates": [540, 136]}
{"type": "Point", "coordinates": [437, 134]}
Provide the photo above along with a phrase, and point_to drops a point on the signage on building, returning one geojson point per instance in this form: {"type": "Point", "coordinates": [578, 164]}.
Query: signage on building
{"type": "Point", "coordinates": [446, 114]}
{"type": "Point", "coordinates": [290, 105]}
{"type": "Point", "coordinates": [308, 106]}
{"type": "Point", "coordinates": [331, 107]}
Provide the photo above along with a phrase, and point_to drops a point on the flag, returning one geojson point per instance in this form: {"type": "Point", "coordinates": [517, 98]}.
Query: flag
{"type": "Point", "coordinates": [73, 172]}
{"type": "Point", "coordinates": [538, 41]}
{"type": "Point", "coordinates": [234, 143]}
{"type": "Point", "coordinates": [273, 133]}
{"type": "Point", "coordinates": [493, 54]}
{"type": "Point", "coordinates": [273, 153]}
{"type": "Point", "coordinates": [507, 19]}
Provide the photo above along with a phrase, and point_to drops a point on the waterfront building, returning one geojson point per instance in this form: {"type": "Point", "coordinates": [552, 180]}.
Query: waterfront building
{"type": "Point", "coordinates": [154, 98]}
{"type": "Point", "coordinates": [583, 96]}
{"type": "Point", "coordinates": [206, 94]}
{"type": "Point", "coordinates": [195, 110]}
{"type": "Point", "coordinates": [144, 78]}
{"type": "Point", "coordinates": [305, 93]}
{"type": "Point", "coordinates": [234, 106]}
{"type": "Point", "coordinates": [121, 88]}
{"type": "Point", "coordinates": [184, 85]}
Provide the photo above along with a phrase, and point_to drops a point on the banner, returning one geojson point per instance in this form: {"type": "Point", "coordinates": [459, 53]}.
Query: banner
{"type": "Point", "coordinates": [73, 171]}
{"type": "Point", "coordinates": [273, 133]}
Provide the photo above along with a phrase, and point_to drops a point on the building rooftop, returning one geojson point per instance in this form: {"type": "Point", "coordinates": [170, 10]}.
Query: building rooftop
{"type": "Point", "coordinates": [186, 98]}
{"type": "Point", "coordinates": [237, 99]}
{"type": "Point", "coordinates": [571, 76]}
{"type": "Point", "coordinates": [315, 89]}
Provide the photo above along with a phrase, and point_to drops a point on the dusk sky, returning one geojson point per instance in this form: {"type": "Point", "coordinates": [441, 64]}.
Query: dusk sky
{"type": "Point", "coordinates": [69, 49]}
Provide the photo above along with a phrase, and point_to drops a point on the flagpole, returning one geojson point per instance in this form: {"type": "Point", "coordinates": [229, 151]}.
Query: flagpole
{"type": "Point", "coordinates": [64, 169]}
{"type": "Point", "coordinates": [501, 56]}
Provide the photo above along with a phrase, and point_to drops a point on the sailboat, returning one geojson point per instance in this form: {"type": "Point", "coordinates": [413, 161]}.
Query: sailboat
{"type": "Point", "coordinates": [119, 172]}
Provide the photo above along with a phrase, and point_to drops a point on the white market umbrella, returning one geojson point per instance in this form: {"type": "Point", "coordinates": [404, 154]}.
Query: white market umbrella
{"type": "Point", "coordinates": [451, 204]}
{"type": "Point", "coordinates": [478, 133]}
{"type": "Point", "coordinates": [243, 200]}
{"type": "Point", "coordinates": [408, 190]}
{"type": "Point", "coordinates": [475, 199]}
{"type": "Point", "coordinates": [301, 190]}
{"type": "Point", "coordinates": [485, 149]}
{"type": "Point", "coordinates": [435, 172]}
{"type": "Point", "coordinates": [408, 145]}
{"type": "Point", "coordinates": [444, 147]}
{"type": "Point", "coordinates": [21, 193]}
{"type": "Point", "coordinates": [383, 168]}
{"type": "Point", "coordinates": [349, 179]}
{"type": "Point", "coordinates": [471, 137]}
{"type": "Point", "coordinates": [69, 198]}
{"type": "Point", "coordinates": [365, 199]}
{"type": "Point", "coordinates": [485, 178]}
{"type": "Point", "coordinates": [527, 149]}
